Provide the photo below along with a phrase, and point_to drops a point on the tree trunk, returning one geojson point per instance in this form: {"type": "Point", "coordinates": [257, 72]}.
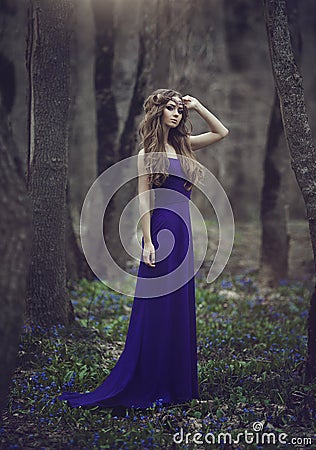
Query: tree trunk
{"type": "Point", "coordinates": [274, 213]}
{"type": "Point", "coordinates": [298, 135]}
{"type": "Point", "coordinates": [275, 237]}
{"type": "Point", "coordinates": [107, 121]}
{"type": "Point", "coordinates": [48, 61]}
{"type": "Point", "coordinates": [77, 266]}
{"type": "Point", "coordinates": [15, 246]}
{"type": "Point", "coordinates": [106, 114]}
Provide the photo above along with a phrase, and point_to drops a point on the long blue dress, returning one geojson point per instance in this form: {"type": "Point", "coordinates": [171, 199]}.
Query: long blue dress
{"type": "Point", "coordinates": [159, 360]}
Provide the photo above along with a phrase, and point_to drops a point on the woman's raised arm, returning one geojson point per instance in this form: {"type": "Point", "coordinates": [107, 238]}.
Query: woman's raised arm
{"type": "Point", "coordinates": [218, 130]}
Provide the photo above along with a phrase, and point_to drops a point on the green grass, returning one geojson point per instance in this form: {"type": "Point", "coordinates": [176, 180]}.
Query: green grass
{"type": "Point", "coordinates": [251, 353]}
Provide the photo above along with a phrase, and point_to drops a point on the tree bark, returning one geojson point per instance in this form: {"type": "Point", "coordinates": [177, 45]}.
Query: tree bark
{"type": "Point", "coordinates": [7, 85]}
{"type": "Point", "coordinates": [274, 212]}
{"type": "Point", "coordinates": [48, 62]}
{"type": "Point", "coordinates": [275, 237]}
{"type": "Point", "coordinates": [77, 266]}
{"type": "Point", "coordinates": [15, 246]}
{"type": "Point", "coordinates": [298, 135]}
{"type": "Point", "coordinates": [107, 121]}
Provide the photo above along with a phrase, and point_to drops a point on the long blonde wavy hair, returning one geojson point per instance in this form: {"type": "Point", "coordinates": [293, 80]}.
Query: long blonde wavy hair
{"type": "Point", "coordinates": [152, 140]}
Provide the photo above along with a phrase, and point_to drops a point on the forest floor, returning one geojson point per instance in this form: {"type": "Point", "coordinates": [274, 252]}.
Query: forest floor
{"type": "Point", "coordinates": [251, 353]}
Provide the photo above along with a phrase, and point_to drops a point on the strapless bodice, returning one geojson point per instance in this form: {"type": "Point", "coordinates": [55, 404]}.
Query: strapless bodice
{"type": "Point", "coordinates": [172, 190]}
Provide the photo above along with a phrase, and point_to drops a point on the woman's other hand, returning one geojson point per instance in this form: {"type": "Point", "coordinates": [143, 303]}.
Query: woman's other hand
{"type": "Point", "coordinates": [149, 254]}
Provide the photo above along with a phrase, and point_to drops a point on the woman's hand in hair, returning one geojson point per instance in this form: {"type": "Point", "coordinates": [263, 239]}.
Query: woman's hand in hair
{"type": "Point", "coordinates": [191, 102]}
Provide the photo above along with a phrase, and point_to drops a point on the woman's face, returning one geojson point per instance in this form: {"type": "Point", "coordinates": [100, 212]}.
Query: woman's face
{"type": "Point", "coordinates": [172, 113]}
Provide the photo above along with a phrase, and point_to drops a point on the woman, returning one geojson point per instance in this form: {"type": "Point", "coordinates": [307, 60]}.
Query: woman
{"type": "Point", "coordinates": [159, 360]}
